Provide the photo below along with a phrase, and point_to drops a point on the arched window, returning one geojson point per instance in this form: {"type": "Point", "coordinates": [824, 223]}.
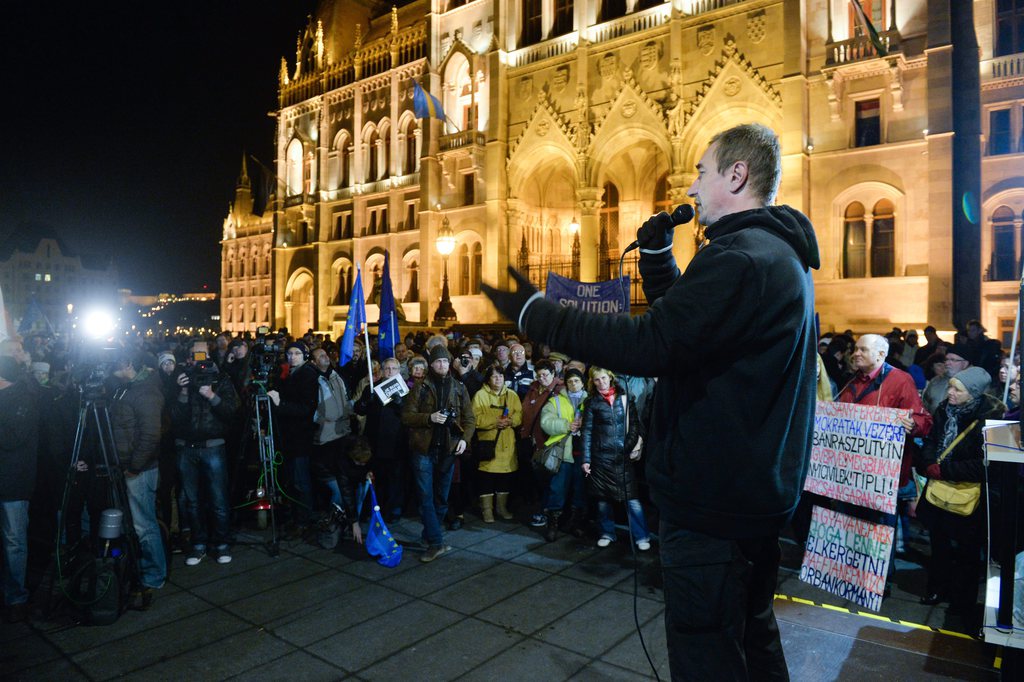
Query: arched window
{"type": "Point", "coordinates": [252, 314]}
{"type": "Point", "coordinates": [611, 9]}
{"type": "Point", "coordinates": [661, 200]}
{"type": "Point", "coordinates": [463, 269]}
{"type": "Point", "coordinates": [854, 241]}
{"type": "Point", "coordinates": [532, 18]}
{"type": "Point", "coordinates": [341, 160]}
{"type": "Point", "coordinates": [412, 294]}
{"type": "Point", "coordinates": [563, 18]}
{"type": "Point", "coordinates": [371, 157]}
{"type": "Point", "coordinates": [293, 167]}
{"type": "Point", "coordinates": [385, 149]}
{"type": "Point", "coordinates": [412, 157]}
{"type": "Point", "coordinates": [230, 313]}
{"type": "Point", "coordinates": [883, 239]}
{"type": "Point", "coordinates": [478, 266]}
{"type": "Point", "coordinates": [610, 216]}
{"type": "Point", "coordinates": [1004, 246]}
{"type": "Point", "coordinates": [343, 283]}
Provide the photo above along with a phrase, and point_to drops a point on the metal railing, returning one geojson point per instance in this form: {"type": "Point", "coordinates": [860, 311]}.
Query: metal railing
{"type": "Point", "coordinates": [461, 139]}
{"type": "Point", "coordinates": [1000, 68]}
{"type": "Point", "coordinates": [545, 50]}
{"type": "Point", "coordinates": [860, 48]}
{"type": "Point", "coordinates": [633, 23]}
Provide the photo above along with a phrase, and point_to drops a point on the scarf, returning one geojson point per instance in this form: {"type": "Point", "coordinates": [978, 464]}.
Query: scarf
{"type": "Point", "coordinates": [576, 398]}
{"type": "Point", "coordinates": [609, 395]}
{"type": "Point", "coordinates": [953, 414]}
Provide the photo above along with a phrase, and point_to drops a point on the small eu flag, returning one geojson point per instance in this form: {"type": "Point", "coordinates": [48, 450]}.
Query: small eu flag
{"type": "Point", "coordinates": [379, 541]}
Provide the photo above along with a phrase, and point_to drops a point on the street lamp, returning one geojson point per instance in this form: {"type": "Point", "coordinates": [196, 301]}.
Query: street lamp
{"type": "Point", "coordinates": [574, 230]}
{"type": "Point", "coordinates": [445, 244]}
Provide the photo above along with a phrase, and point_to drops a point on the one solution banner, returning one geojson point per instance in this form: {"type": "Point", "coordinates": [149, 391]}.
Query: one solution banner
{"type": "Point", "coordinates": [847, 557]}
{"type": "Point", "coordinates": [856, 454]}
{"type": "Point", "coordinates": [592, 297]}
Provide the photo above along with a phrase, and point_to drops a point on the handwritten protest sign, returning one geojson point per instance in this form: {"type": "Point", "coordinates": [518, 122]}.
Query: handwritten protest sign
{"type": "Point", "coordinates": [847, 557]}
{"type": "Point", "coordinates": [856, 454]}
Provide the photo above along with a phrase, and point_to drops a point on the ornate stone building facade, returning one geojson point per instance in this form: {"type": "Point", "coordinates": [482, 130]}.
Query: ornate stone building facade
{"type": "Point", "coordinates": [571, 121]}
{"type": "Point", "coordinates": [245, 261]}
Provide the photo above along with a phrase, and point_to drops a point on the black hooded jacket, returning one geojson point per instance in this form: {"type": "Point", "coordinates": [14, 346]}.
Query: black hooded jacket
{"type": "Point", "coordinates": [732, 342]}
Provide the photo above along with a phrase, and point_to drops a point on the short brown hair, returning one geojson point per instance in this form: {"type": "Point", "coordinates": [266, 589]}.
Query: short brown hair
{"type": "Point", "coordinates": [758, 145]}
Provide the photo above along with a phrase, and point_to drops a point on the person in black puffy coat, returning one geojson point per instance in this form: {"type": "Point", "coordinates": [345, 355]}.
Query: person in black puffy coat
{"type": "Point", "coordinates": [611, 447]}
{"type": "Point", "coordinates": [956, 541]}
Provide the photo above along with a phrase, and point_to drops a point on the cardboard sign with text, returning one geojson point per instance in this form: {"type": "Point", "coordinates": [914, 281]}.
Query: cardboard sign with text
{"type": "Point", "coordinates": [856, 454]}
{"type": "Point", "coordinates": [847, 557]}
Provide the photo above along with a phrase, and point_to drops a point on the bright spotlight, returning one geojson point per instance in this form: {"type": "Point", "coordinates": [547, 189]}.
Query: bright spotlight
{"type": "Point", "coordinates": [98, 324]}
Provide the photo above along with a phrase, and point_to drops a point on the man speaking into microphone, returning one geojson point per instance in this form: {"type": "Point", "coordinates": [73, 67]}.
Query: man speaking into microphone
{"type": "Point", "coordinates": [732, 342]}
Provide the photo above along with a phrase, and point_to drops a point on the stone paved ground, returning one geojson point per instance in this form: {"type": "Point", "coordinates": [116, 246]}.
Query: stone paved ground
{"type": "Point", "coordinates": [504, 605]}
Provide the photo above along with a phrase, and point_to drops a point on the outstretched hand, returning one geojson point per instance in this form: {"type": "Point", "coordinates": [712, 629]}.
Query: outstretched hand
{"type": "Point", "coordinates": [509, 303]}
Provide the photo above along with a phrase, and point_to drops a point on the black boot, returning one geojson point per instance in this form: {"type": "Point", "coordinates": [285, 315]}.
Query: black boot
{"type": "Point", "coordinates": [574, 524]}
{"type": "Point", "coordinates": [551, 530]}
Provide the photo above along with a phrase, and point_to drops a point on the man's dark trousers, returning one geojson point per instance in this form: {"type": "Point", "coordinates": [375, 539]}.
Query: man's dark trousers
{"type": "Point", "coordinates": [719, 619]}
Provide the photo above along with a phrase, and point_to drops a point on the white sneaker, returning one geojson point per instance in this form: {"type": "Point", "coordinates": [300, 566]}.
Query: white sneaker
{"type": "Point", "coordinates": [224, 558]}
{"type": "Point", "coordinates": [643, 545]}
{"type": "Point", "coordinates": [604, 542]}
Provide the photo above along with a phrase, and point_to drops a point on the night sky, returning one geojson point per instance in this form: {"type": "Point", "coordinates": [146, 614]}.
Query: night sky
{"type": "Point", "coordinates": [125, 125]}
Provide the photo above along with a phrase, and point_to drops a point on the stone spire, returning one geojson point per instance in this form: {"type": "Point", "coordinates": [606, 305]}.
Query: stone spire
{"type": "Point", "coordinates": [243, 194]}
{"type": "Point", "coordinates": [243, 176]}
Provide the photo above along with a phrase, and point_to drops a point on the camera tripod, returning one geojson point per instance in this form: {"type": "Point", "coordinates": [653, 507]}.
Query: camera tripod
{"type": "Point", "coordinates": [118, 565]}
{"type": "Point", "coordinates": [261, 428]}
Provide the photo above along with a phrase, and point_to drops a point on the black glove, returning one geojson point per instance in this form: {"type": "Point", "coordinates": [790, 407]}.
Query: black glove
{"type": "Point", "coordinates": [656, 233]}
{"type": "Point", "coordinates": [508, 303]}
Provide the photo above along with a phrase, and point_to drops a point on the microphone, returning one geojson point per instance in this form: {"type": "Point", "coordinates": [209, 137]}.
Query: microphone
{"type": "Point", "coordinates": [683, 214]}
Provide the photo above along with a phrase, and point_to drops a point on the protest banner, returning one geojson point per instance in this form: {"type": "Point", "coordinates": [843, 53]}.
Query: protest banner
{"type": "Point", "coordinates": [856, 454]}
{"type": "Point", "coordinates": [847, 557]}
{"type": "Point", "coordinates": [592, 297]}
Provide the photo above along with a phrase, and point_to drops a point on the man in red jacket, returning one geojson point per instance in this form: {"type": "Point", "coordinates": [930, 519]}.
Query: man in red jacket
{"type": "Point", "coordinates": [879, 383]}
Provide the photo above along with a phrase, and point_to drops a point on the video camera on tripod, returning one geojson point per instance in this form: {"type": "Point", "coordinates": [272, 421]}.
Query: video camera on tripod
{"type": "Point", "coordinates": [98, 579]}
{"type": "Point", "coordinates": [266, 355]}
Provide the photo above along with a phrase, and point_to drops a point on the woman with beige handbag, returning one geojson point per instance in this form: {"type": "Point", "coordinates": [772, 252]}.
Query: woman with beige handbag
{"type": "Point", "coordinates": [952, 506]}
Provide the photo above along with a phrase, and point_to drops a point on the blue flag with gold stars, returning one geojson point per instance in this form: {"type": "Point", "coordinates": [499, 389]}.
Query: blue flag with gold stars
{"type": "Point", "coordinates": [379, 541]}
{"type": "Point", "coordinates": [387, 326]}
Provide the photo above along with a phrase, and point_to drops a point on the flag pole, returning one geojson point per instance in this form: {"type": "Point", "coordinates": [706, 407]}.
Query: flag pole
{"type": "Point", "coordinates": [369, 362]}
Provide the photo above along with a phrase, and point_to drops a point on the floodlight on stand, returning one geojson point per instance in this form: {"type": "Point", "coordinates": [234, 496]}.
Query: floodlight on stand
{"type": "Point", "coordinates": [98, 324]}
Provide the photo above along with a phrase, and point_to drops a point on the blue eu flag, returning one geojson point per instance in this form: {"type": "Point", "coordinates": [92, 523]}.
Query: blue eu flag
{"type": "Point", "coordinates": [387, 327]}
{"type": "Point", "coordinates": [379, 541]}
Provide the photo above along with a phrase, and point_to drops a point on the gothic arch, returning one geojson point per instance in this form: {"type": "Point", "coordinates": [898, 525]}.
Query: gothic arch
{"type": "Point", "coordinates": [299, 301]}
{"type": "Point", "coordinates": [734, 93]}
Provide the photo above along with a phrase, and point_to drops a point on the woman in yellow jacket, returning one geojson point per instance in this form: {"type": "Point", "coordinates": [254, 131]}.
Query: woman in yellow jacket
{"type": "Point", "coordinates": [498, 414]}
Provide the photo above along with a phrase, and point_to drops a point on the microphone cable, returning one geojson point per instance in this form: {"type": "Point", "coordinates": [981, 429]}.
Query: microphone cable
{"type": "Point", "coordinates": [625, 500]}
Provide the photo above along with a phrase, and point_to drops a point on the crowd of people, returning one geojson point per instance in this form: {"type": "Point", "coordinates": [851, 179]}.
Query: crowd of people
{"type": "Point", "coordinates": [468, 434]}
{"type": "Point", "coordinates": [950, 389]}
{"type": "Point", "coordinates": [471, 433]}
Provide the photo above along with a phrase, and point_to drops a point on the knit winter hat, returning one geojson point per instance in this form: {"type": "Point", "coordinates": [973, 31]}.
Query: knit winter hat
{"type": "Point", "coordinates": [301, 346]}
{"type": "Point", "coordinates": [975, 380]}
{"type": "Point", "coordinates": [438, 352]}
{"type": "Point", "coordinates": [573, 372]}
{"type": "Point", "coordinates": [164, 356]}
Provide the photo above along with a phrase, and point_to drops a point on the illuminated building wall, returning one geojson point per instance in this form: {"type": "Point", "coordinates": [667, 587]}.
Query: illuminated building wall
{"type": "Point", "coordinates": [36, 264]}
{"type": "Point", "coordinates": [593, 114]}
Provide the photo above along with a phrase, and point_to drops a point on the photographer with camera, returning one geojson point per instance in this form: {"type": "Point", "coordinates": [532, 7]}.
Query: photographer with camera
{"type": "Point", "coordinates": [135, 420]}
{"type": "Point", "coordinates": [295, 405]}
{"type": "Point", "coordinates": [236, 364]}
{"type": "Point", "coordinates": [202, 416]}
{"type": "Point", "coordinates": [439, 415]}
